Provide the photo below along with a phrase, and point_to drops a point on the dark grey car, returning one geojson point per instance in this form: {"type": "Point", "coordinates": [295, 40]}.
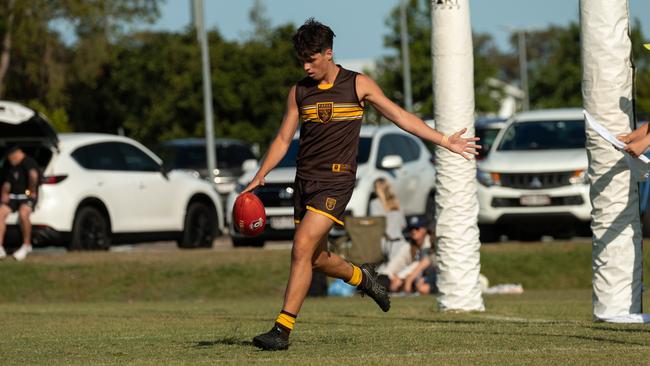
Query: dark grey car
{"type": "Point", "coordinates": [234, 157]}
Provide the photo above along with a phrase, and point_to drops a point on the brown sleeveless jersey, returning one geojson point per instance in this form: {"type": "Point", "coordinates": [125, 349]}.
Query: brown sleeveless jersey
{"type": "Point", "coordinates": [329, 134]}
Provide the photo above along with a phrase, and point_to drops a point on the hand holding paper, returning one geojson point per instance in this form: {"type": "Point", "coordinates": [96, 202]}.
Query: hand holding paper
{"type": "Point", "coordinates": [604, 133]}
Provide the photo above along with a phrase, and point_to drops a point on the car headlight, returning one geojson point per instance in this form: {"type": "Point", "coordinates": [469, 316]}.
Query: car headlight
{"type": "Point", "coordinates": [579, 177]}
{"type": "Point", "coordinates": [487, 178]}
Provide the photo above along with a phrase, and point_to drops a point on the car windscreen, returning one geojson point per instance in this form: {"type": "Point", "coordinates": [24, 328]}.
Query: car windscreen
{"type": "Point", "coordinates": [544, 135]}
{"type": "Point", "coordinates": [487, 136]}
{"type": "Point", "coordinates": [289, 159]}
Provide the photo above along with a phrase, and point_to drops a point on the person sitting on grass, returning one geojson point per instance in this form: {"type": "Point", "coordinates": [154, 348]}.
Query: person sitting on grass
{"type": "Point", "coordinates": [404, 273]}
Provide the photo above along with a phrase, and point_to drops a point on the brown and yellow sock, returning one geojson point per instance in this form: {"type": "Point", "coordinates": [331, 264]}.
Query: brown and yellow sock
{"type": "Point", "coordinates": [286, 321]}
{"type": "Point", "coordinates": [357, 276]}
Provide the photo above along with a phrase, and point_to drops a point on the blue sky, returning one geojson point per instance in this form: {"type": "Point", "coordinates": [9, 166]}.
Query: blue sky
{"type": "Point", "coordinates": [360, 25]}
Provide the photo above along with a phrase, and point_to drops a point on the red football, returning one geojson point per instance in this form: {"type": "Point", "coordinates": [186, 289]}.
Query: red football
{"type": "Point", "coordinates": [248, 214]}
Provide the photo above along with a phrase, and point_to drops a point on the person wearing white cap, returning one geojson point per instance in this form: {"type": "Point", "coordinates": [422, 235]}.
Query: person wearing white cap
{"type": "Point", "coordinates": [398, 271]}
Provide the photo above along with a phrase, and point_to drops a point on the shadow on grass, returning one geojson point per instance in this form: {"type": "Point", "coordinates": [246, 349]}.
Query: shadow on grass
{"type": "Point", "coordinates": [625, 330]}
{"type": "Point", "coordinates": [601, 339]}
{"type": "Point", "coordinates": [549, 335]}
{"type": "Point", "coordinates": [411, 318]}
{"type": "Point", "coordinates": [225, 341]}
{"type": "Point", "coordinates": [488, 322]}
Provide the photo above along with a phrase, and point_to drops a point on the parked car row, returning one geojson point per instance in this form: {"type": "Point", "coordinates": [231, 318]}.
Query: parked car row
{"type": "Point", "coordinates": [384, 152]}
{"type": "Point", "coordinates": [99, 189]}
{"type": "Point", "coordinates": [532, 176]}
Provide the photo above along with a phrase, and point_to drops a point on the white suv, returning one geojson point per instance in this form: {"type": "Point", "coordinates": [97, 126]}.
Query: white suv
{"type": "Point", "coordinates": [534, 179]}
{"type": "Point", "coordinates": [100, 188]}
{"type": "Point", "coordinates": [384, 151]}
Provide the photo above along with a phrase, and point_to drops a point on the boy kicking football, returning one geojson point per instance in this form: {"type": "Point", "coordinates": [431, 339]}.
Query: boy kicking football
{"type": "Point", "coordinates": [329, 102]}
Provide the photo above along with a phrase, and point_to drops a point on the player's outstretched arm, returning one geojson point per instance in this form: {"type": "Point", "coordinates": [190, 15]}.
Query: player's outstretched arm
{"type": "Point", "coordinates": [280, 143]}
{"type": "Point", "coordinates": [368, 90]}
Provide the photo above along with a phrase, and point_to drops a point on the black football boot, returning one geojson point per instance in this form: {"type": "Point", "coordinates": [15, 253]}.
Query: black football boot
{"type": "Point", "coordinates": [370, 286]}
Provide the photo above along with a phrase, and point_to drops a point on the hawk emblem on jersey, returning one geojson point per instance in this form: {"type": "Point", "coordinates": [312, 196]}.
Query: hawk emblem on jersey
{"type": "Point", "coordinates": [325, 111]}
{"type": "Point", "coordinates": [330, 203]}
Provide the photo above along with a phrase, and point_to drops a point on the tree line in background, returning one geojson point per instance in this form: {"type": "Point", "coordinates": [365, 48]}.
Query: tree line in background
{"type": "Point", "coordinates": [148, 83]}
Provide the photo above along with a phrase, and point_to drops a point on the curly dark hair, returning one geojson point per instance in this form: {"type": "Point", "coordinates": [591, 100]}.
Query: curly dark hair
{"type": "Point", "coordinates": [311, 38]}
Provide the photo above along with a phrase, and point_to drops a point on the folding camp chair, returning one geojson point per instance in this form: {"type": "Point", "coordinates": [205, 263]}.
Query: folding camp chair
{"type": "Point", "coordinates": [362, 240]}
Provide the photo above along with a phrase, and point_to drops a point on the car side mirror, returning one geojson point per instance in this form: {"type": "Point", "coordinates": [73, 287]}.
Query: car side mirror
{"type": "Point", "coordinates": [248, 165]}
{"type": "Point", "coordinates": [164, 170]}
{"type": "Point", "coordinates": [390, 162]}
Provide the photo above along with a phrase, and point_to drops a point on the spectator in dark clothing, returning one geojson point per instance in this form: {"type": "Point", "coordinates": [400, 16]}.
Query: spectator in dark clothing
{"type": "Point", "coordinates": [19, 192]}
{"type": "Point", "coordinates": [421, 276]}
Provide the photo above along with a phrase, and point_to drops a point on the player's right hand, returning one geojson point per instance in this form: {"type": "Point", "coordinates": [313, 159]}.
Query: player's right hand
{"type": "Point", "coordinates": [463, 146]}
{"type": "Point", "coordinates": [625, 138]}
{"type": "Point", "coordinates": [256, 182]}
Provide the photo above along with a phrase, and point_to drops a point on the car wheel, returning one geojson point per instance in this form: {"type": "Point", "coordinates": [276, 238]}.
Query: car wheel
{"type": "Point", "coordinates": [247, 242]}
{"type": "Point", "coordinates": [489, 234]}
{"type": "Point", "coordinates": [564, 234]}
{"type": "Point", "coordinates": [528, 236]}
{"type": "Point", "coordinates": [90, 230]}
{"type": "Point", "coordinates": [199, 230]}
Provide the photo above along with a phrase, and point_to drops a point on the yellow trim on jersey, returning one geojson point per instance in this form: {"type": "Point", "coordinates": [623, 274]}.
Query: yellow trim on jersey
{"type": "Point", "coordinates": [310, 106]}
{"type": "Point", "coordinates": [335, 114]}
{"type": "Point", "coordinates": [340, 112]}
{"type": "Point", "coordinates": [325, 86]}
{"type": "Point", "coordinates": [336, 105]}
{"type": "Point", "coordinates": [310, 208]}
{"type": "Point", "coordinates": [347, 114]}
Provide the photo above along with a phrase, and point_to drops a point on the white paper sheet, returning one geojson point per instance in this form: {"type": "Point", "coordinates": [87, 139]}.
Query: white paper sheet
{"type": "Point", "coordinates": [604, 133]}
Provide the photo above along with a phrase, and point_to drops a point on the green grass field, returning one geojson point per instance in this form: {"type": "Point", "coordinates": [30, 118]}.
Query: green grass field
{"type": "Point", "coordinates": [203, 307]}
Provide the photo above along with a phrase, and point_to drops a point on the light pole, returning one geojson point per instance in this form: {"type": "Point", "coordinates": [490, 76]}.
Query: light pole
{"type": "Point", "coordinates": [523, 67]}
{"type": "Point", "coordinates": [523, 61]}
{"type": "Point", "coordinates": [406, 63]}
{"type": "Point", "coordinates": [197, 16]}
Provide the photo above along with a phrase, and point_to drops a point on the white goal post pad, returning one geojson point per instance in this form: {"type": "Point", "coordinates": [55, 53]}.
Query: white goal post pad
{"type": "Point", "coordinates": [456, 201]}
{"type": "Point", "coordinates": [607, 95]}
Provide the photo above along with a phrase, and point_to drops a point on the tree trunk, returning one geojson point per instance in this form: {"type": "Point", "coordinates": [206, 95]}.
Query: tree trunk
{"type": "Point", "coordinates": [6, 47]}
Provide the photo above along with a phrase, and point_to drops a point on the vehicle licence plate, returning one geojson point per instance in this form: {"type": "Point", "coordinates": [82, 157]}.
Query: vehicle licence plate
{"type": "Point", "coordinates": [225, 187]}
{"type": "Point", "coordinates": [535, 200]}
{"type": "Point", "coordinates": [281, 222]}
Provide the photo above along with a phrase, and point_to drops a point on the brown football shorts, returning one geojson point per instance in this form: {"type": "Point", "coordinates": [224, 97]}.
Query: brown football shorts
{"type": "Point", "coordinates": [325, 198]}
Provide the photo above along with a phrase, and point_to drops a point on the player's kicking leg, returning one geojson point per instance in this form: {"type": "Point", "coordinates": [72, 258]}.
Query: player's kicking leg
{"type": "Point", "coordinates": [308, 253]}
